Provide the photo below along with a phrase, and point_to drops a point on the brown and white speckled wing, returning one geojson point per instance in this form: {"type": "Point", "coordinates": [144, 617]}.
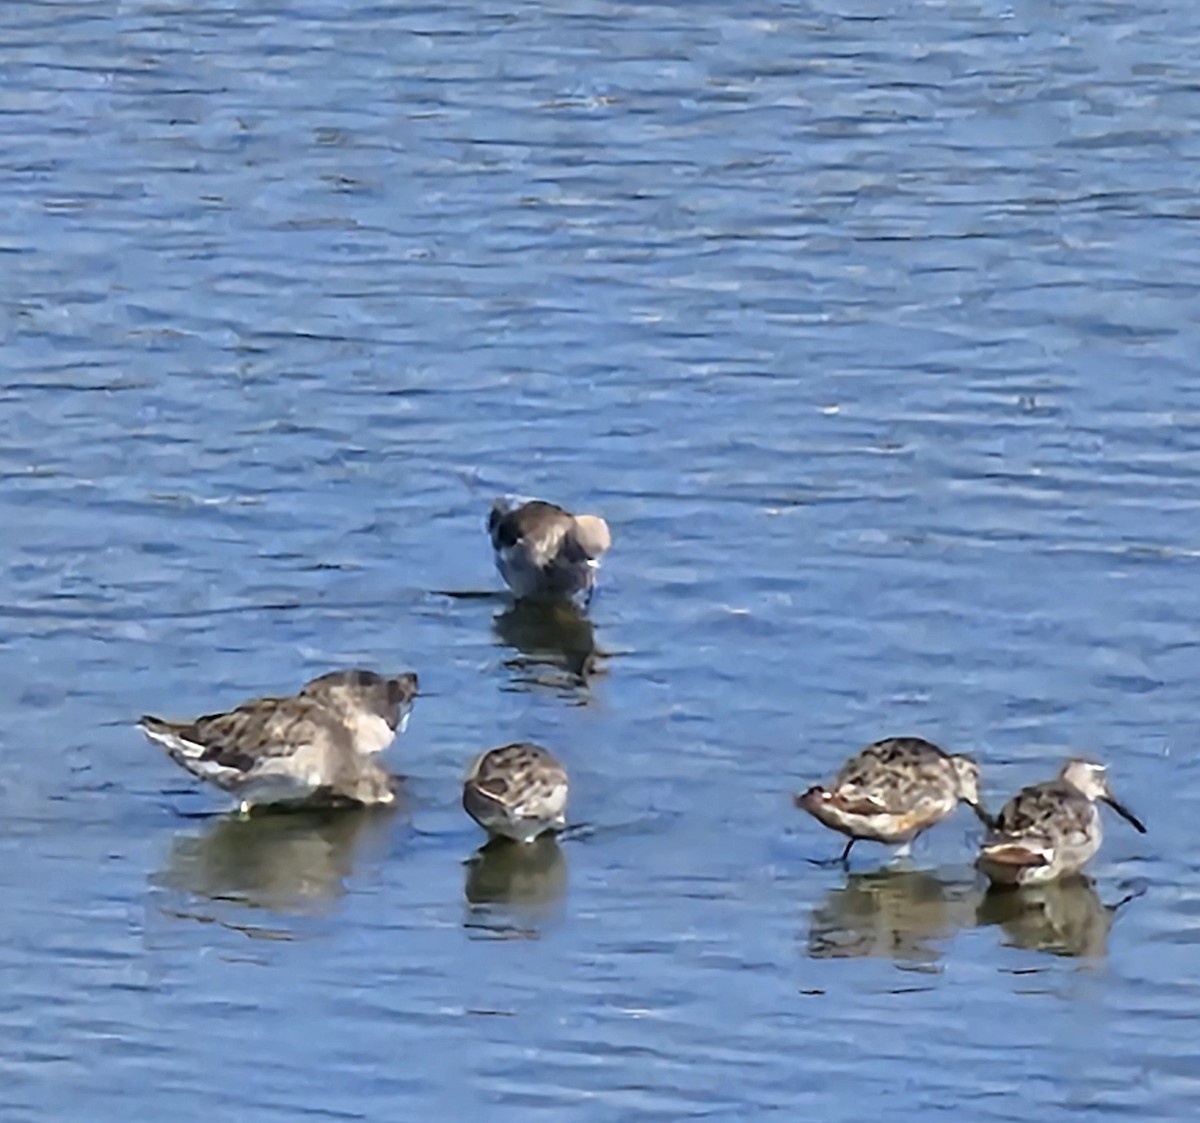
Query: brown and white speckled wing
{"type": "Point", "coordinates": [517, 790]}
{"type": "Point", "coordinates": [285, 746]}
{"type": "Point", "coordinates": [895, 776]}
{"type": "Point", "coordinates": [1039, 821]}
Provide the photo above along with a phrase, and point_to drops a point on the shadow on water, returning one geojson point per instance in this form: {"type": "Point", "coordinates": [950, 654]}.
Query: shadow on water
{"type": "Point", "coordinates": [557, 636]}
{"type": "Point", "coordinates": [291, 863]}
{"type": "Point", "coordinates": [1065, 918]}
{"type": "Point", "coordinates": [513, 890]}
{"type": "Point", "coordinates": [899, 914]}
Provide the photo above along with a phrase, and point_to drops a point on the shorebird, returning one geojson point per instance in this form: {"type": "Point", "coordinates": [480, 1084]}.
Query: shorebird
{"type": "Point", "coordinates": [1050, 829]}
{"type": "Point", "coordinates": [517, 791]}
{"type": "Point", "coordinates": [318, 746]}
{"type": "Point", "coordinates": [893, 790]}
{"type": "Point", "coordinates": [544, 552]}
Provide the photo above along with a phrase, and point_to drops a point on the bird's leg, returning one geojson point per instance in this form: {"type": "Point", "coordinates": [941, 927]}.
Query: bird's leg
{"type": "Point", "coordinates": [840, 860]}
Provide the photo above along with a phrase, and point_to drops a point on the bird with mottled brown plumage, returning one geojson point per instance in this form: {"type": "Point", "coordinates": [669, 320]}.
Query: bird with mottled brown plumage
{"type": "Point", "coordinates": [517, 791]}
{"type": "Point", "coordinates": [894, 789]}
{"type": "Point", "coordinates": [1051, 829]}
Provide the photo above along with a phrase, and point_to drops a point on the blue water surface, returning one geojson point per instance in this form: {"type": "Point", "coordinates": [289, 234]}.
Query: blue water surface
{"type": "Point", "coordinates": [872, 331]}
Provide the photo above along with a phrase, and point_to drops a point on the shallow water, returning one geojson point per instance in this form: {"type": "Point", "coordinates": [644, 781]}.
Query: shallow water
{"type": "Point", "coordinates": [870, 332]}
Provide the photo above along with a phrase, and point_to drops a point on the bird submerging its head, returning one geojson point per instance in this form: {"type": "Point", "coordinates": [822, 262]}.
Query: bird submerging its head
{"type": "Point", "coordinates": [517, 791]}
{"type": "Point", "coordinates": [893, 790]}
{"type": "Point", "coordinates": [543, 552]}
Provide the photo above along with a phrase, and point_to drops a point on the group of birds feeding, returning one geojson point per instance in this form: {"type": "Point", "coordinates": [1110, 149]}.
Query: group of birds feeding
{"type": "Point", "coordinates": [894, 789]}
{"type": "Point", "coordinates": [321, 746]}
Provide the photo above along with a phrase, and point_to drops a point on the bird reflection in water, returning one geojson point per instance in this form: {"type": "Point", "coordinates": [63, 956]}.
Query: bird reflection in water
{"type": "Point", "coordinates": [513, 889]}
{"type": "Point", "coordinates": [898, 914]}
{"type": "Point", "coordinates": [290, 863]}
{"type": "Point", "coordinates": [553, 635]}
{"type": "Point", "coordinates": [1065, 917]}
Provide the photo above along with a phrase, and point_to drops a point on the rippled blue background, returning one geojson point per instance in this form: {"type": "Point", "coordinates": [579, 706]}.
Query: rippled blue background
{"type": "Point", "coordinates": [872, 331]}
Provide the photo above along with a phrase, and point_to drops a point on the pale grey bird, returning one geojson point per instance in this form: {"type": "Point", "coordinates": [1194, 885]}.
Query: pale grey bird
{"type": "Point", "coordinates": [544, 552]}
{"type": "Point", "coordinates": [318, 746]}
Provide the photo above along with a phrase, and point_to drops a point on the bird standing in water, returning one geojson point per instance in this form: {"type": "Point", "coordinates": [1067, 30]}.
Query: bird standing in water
{"type": "Point", "coordinates": [543, 552]}
{"type": "Point", "coordinates": [517, 791]}
{"type": "Point", "coordinates": [320, 745]}
{"type": "Point", "coordinates": [893, 790]}
{"type": "Point", "coordinates": [1050, 829]}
